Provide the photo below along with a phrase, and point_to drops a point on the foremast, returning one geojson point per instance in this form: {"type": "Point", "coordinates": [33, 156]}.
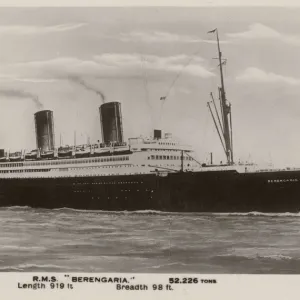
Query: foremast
{"type": "Point", "coordinates": [225, 124]}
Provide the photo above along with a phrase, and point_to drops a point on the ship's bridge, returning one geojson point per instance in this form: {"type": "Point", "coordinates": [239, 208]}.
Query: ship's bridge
{"type": "Point", "coordinates": [157, 144]}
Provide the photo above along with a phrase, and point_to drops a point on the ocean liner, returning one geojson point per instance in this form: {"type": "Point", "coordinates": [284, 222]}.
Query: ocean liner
{"type": "Point", "coordinates": [155, 173]}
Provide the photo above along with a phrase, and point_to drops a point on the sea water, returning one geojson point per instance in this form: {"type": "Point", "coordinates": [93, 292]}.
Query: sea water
{"type": "Point", "coordinates": [66, 240]}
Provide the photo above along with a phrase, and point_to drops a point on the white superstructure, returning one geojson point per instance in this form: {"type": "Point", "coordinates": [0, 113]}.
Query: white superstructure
{"type": "Point", "coordinates": [143, 156]}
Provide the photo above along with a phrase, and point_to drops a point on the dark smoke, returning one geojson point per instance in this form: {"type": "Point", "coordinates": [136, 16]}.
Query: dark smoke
{"type": "Point", "coordinates": [80, 81]}
{"type": "Point", "coordinates": [13, 93]}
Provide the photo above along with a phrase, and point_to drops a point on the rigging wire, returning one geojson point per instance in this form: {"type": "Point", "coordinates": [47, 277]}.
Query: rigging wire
{"type": "Point", "coordinates": [146, 84]}
{"type": "Point", "coordinates": [174, 81]}
{"type": "Point", "coordinates": [180, 72]}
{"type": "Point", "coordinates": [205, 126]}
{"type": "Point", "coordinates": [145, 79]}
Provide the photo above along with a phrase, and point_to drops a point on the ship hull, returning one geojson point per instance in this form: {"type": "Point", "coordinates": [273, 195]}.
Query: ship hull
{"type": "Point", "coordinates": [212, 191]}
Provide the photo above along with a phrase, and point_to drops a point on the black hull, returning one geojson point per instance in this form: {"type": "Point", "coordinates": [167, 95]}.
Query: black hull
{"type": "Point", "coordinates": [217, 191]}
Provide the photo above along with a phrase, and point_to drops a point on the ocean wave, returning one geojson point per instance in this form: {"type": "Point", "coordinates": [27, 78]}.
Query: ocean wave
{"type": "Point", "coordinates": [22, 248]}
{"type": "Point", "coordinates": [40, 224]}
{"type": "Point", "coordinates": [257, 213]}
{"type": "Point", "coordinates": [12, 269]}
{"type": "Point", "coordinates": [43, 266]}
{"type": "Point", "coordinates": [16, 207]}
{"type": "Point", "coordinates": [129, 212]}
{"type": "Point", "coordinates": [95, 227]}
{"type": "Point", "coordinates": [166, 265]}
{"type": "Point", "coordinates": [146, 211]}
{"type": "Point", "coordinates": [13, 220]}
{"type": "Point", "coordinates": [278, 257]}
{"type": "Point", "coordinates": [67, 210]}
{"type": "Point", "coordinates": [152, 212]}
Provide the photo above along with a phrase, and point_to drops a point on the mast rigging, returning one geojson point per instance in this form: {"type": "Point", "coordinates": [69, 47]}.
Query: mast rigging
{"type": "Point", "coordinates": [226, 126]}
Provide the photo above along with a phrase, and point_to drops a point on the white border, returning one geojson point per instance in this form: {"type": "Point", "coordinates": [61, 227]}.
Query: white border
{"type": "Point", "coordinates": [233, 287]}
{"type": "Point", "coordinates": [148, 3]}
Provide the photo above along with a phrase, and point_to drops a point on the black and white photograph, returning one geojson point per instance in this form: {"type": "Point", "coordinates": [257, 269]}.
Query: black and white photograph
{"type": "Point", "coordinates": [150, 140]}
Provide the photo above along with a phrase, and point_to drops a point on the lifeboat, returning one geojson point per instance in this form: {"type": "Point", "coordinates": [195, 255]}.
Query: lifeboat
{"type": "Point", "coordinates": [65, 152]}
{"type": "Point", "coordinates": [47, 154]}
{"type": "Point", "coordinates": [31, 155]}
{"type": "Point", "coordinates": [82, 152]}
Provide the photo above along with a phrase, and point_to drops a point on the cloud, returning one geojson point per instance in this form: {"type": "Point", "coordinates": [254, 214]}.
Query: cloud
{"type": "Point", "coordinates": [162, 37]}
{"type": "Point", "coordinates": [260, 31]}
{"type": "Point", "coordinates": [259, 76]}
{"type": "Point", "coordinates": [184, 90]}
{"type": "Point", "coordinates": [179, 63]}
{"type": "Point", "coordinates": [9, 78]}
{"type": "Point", "coordinates": [157, 36]}
{"type": "Point", "coordinates": [107, 65]}
{"type": "Point", "coordinates": [29, 30]}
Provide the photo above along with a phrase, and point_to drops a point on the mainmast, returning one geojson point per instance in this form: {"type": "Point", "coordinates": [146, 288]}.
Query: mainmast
{"type": "Point", "coordinates": [226, 126]}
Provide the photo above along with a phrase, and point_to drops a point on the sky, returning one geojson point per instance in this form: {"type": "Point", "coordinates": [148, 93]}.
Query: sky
{"type": "Point", "coordinates": [136, 56]}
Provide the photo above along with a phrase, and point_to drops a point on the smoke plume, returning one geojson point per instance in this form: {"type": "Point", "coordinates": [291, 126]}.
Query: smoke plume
{"type": "Point", "coordinates": [13, 93]}
{"type": "Point", "coordinates": [80, 81]}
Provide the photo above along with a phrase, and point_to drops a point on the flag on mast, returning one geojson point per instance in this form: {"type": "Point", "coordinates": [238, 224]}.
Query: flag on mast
{"type": "Point", "coordinates": [163, 98]}
{"type": "Point", "coordinates": [212, 31]}
{"type": "Point", "coordinates": [223, 63]}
